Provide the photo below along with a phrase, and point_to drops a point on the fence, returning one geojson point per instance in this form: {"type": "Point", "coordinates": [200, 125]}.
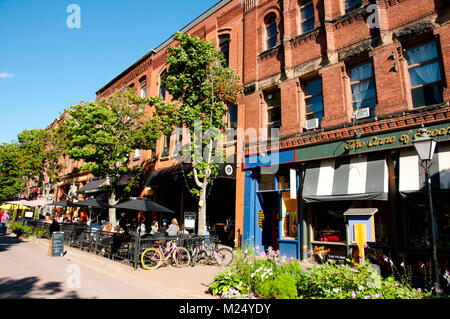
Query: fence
{"type": "Point", "coordinates": [124, 247]}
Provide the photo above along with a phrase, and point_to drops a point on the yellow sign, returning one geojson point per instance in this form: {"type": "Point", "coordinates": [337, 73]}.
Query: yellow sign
{"type": "Point", "coordinates": [360, 238]}
{"type": "Point", "coordinates": [261, 218]}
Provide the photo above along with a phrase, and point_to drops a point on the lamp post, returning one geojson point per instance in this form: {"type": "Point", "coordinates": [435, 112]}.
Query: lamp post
{"type": "Point", "coordinates": [425, 147]}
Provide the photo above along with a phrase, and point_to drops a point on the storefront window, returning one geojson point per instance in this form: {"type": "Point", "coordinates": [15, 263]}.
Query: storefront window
{"type": "Point", "coordinates": [267, 182]}
{"type": "Point", "coordinates": [289, 219]}
{"type": "Point", "coordinates": [284, 178]}
{"type": "Point", "coordinates": [418, 223]}
{"type": "Point", "coordinates": [328, 222]}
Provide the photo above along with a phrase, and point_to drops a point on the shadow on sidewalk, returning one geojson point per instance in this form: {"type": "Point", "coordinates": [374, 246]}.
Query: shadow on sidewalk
{"type": "Point", "coordinates": [6, 241]}
{"type": "Point", "coordinates": [24, 289]}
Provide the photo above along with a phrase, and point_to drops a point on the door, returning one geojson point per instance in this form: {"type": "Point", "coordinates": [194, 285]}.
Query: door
{"type": "Point", "coordinates": [271, 204]}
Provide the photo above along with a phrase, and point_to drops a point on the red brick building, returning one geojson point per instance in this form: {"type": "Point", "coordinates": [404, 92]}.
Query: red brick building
{"type": "Point", "coordinates": [348, 83]}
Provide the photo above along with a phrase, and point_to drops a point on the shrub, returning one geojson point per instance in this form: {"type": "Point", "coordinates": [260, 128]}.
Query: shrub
{"type": "Point", "coordinates": [267, 275]}
{"type": "Point", "coordinates": [20, 229]}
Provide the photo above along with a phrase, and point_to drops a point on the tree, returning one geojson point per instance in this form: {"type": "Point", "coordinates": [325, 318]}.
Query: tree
{"type": "Point", "coordinates": [11, 183]}
{"type": "Point", "coordinates": [40, 151]}
{"type": "Point", "coordinates": [201, 87]}
{"type": "Point", "coordinates": [104, 133]}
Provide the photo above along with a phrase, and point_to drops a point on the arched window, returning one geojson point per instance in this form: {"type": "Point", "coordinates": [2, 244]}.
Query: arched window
{"type": "Point", "coordinates": [306, 15]}
{"type": "Point", "coordinates": [271, 30]}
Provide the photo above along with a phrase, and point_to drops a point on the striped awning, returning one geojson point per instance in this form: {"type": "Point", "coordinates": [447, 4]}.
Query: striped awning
{"type": "Point", "coordinates": [363, 177]}
{"type": "Point", "coordinates": [412, 178]}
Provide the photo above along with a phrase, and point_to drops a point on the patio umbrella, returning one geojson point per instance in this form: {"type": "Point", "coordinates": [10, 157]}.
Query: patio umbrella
{"type": "Point", "coordinates": [38, 202]}
{"type": "Point", "coordinates": [92, 203]}
{"type": "Point", "coordinates": [6, 206]}
{"type": "Point", "coordinates": [63, 203]}
{"type": "Point", "coordinates": [143, 205]}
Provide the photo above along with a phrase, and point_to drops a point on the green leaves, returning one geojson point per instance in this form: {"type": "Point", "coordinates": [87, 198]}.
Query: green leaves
{"type": "Point", "coordinates": [104, 133]}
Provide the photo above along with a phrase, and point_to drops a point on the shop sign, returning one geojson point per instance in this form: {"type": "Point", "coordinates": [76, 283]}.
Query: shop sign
{"type": "Point", "coordinates": [403, 139]}
{"type": "Point", "coordinates": [391, 140]}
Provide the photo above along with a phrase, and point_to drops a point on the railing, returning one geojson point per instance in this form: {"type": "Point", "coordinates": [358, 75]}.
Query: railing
{"type": "Point", "coordinates": [124, 247]}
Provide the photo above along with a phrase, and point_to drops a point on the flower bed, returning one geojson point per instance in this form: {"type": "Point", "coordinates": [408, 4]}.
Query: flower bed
{"type": "Point", "coordinates": [267, 275]}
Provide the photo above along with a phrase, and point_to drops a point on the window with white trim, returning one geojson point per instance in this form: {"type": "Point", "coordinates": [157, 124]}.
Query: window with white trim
{"type": "Point", "coordinates": [273, 102]}
{"type": "Point", "coordinates": [362, 82]}
{"type": "Point", "coordinates": [424, 74]}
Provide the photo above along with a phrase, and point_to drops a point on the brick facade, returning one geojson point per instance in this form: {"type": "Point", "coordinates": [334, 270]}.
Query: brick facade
{"type": "Point", "coordinates": [337, 42]}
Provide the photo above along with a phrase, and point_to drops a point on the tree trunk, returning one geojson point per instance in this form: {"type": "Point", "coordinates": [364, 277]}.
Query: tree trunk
{"type": "Point", "coordinates": [112, 201]}
{"type": "Point", "coordinates": [202, 209]}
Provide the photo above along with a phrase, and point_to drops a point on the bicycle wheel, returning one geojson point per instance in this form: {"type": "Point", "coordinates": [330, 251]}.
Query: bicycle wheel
{"type": "Point", "coordinates": [224, 256]}
{"type": "Point", "coordinates": [151, 259]}
{"type": "Point", "coordinates": [182, 257]}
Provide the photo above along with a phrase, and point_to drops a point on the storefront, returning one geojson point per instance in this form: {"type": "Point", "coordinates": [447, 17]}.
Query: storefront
{"type": "Point", "coordinates": [171, 187]}
{"type": "Point", "coordinates": [298, 215]}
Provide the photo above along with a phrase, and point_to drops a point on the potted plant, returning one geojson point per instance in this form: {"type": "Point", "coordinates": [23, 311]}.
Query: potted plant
{"type": "Point", "coordinates": [18, 229]}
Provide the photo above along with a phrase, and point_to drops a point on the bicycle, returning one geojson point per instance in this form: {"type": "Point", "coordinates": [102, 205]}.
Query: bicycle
{"type": "Point", "coordinates": [223, 256]}
{"type": "Point", "coordinates": [154, 257]}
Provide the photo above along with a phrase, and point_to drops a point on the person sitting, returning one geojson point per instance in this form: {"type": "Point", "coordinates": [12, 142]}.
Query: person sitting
{"type": "Point", "coordinates": [173, 229]}
{"type": "Point", "coordinates": [141, 230]}
{"type": "Point", "coordinates": [154, 228]}
{"type": "Point", "coordinates": [163, 228]}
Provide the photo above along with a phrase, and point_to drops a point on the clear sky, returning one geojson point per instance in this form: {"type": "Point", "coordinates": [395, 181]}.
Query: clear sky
{"type": "Point", "coordinates": [45, 66]}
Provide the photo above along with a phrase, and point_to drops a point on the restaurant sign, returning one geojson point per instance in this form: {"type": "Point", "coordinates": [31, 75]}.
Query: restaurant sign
{"type": "Point", "coordinates": [391, 140]}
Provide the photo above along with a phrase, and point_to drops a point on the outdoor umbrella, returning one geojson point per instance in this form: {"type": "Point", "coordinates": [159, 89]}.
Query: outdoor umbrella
{"type": "Point", "coordinates": [63, 203]}
{"type": "Point", "coordinates": [92, 203]}
{"type": "Point", "coordinates": [143, 205]}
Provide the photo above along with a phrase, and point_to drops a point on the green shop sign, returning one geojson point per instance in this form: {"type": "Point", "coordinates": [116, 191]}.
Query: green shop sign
{"type": "Point", "coordinates": [391, 140]}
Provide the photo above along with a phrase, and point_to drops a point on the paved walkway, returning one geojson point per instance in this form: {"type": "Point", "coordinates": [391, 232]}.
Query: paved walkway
{"type": "Point", "coordinates": [27, 272]}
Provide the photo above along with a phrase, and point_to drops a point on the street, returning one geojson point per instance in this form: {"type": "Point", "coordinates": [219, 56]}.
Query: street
{"type": "Point", "coordinates": [28, 272]}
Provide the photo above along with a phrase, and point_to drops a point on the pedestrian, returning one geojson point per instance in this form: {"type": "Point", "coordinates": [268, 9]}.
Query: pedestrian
{"type": "Point", "coordinates": [173, 229]}
{"type": "Point", "coordinates": [54, 227]}
{"type": "Point", "coordinates": [5, 217]}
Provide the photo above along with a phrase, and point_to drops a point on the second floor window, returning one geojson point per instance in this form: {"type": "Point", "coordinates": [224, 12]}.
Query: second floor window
{"type": "Point", "coordinates": [306, 15]}
{"type": "Point", "coordinates": [314, 100]}
{"type": "Point", "coordinates": [144, 91]}
{"type": "Point", "coordinates": [272, 31]}
{"type": "Point", "coordinates": [351, 5]}
{"type": "Point", "coordinates": [166, 145]}
{"type": "Point", "coordinates": [363, 87]}
{"type": "Point", "coordinates": [162, 87]}
{"type": "Point", "coordinates": [273, 101]}
{"type": "Point", "coordinates": [224, 47]}
{"type": "Point", "coordinates": [232, 116]}
{"type": "Point", "coordinates": [424, 74]}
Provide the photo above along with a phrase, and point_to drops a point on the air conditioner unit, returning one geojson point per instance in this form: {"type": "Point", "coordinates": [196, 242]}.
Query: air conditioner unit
{"type": "Point", "coordinates": [312, 124]}
{"type": "Point", "coordinates": [362, 113]}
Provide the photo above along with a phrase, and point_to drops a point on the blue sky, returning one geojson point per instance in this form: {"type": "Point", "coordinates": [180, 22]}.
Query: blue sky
{"type": "Point", "coordinates": [45, 66]}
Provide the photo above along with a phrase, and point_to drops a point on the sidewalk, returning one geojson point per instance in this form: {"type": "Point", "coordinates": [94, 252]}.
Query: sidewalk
{"type": "Point", "coordinates": [168, 282]}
